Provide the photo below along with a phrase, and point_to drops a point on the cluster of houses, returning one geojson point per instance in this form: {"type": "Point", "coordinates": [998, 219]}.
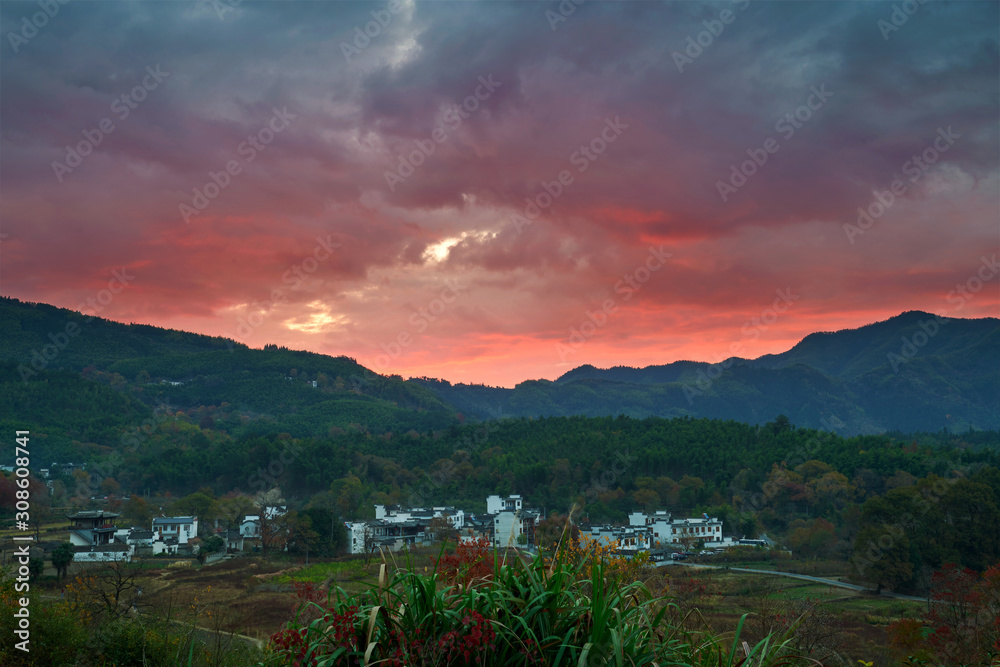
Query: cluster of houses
{"type": "Point", "coordinates": [96, 537]}
{"type": "Point", "coordinates": [508, 523]}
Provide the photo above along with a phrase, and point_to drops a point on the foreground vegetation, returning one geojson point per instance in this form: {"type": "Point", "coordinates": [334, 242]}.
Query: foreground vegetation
{"type": "Point", "coordinates": [484, 608]}
{"type": "Point", "coordinates": [584, 606]}
{"type": "Point", "coordinates": [226, 612]}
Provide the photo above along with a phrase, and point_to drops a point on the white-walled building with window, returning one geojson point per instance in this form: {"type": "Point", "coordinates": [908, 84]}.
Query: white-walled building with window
{"type": "Point", "coordinates": [667, 530]}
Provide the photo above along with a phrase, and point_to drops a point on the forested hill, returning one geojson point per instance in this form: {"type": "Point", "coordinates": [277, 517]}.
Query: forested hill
{"type": "Point", "coordinates": [81, 381]}
{"type": "Point", "coordinates": [913, 372]}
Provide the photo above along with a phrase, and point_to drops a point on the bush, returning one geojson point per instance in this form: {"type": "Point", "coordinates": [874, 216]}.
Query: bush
{"type": "Point", "coordinates": [515, 613]}
{"type": "Point", "coordinates": [57, 634]}
{"type": "Point", "coordinates": [126, 642]}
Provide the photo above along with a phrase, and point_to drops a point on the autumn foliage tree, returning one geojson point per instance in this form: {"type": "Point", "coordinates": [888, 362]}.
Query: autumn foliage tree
{"type": "Point", "coordinates": [964, 615]}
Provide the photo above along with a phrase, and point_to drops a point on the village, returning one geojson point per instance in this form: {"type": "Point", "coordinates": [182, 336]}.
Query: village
{"type": "Point", "coordinates": [96, 537]}
{"type": "Point", "coordinates": [507, 523]}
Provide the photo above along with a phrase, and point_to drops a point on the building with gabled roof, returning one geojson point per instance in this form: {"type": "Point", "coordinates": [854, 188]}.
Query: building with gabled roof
{"type": "Point", "coordinates": [92, 528]}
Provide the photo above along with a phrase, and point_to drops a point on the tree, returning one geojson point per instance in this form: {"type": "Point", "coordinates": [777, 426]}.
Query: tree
{"type": "Point", "coordinates": [882, 557]}
{"type": "Point", "coordinates": [233, 507]}
{"type": "Point", "coordinates": [110, 590]}
{"type": "Point", "coordinates": [301, 535]}
{"type": "Point", "coordinates": [110, 486]}
{"type": "Point", "coordinates": [553, 529]}
{"type": "Point", "coordinates": [647, 499]}
{"type": "Point", "coordinates": [272, 519]}
{"type": "Point", "coordinates": [349, 496]}
{"type": "Point", "coordinates": [442, 529]}
{"type": "Point", "coordinates": [62, 556]}
{"type": "Point", "coordinates": [972, 523]}
{"type": "Point", "coordinates": [35, 568]}
{"type": "Point", "coordinates": [964, 616]}
{"type": "Point", "coordinates": [137, 512]}
{"type": "Point", "coordinates": [199, 505]}
{"type": "Point", "coordinates": [213, 544]}
{"type": "Point", "coordinates": [325, 521]}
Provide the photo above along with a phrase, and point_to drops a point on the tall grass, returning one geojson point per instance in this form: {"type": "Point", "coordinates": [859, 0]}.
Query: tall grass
{"type": "Point", "coordinates": [524, 612]}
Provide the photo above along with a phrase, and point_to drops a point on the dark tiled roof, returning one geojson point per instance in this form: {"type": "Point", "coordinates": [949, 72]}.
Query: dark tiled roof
{"type": "Point", "coordinates": [93, 514]}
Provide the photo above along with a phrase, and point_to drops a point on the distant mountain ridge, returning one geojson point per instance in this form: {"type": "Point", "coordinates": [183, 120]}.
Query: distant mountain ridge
{"type": "Point", "coordinates": [913, 372]}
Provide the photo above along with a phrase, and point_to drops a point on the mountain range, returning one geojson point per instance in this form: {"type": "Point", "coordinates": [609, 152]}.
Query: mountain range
{"type": "Point", "coordinates": [913, 372]}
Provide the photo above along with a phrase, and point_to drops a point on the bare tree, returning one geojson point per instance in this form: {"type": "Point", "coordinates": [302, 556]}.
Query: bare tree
{"type": "Point", "coordinates": [110, 589]}
{"type": "Point", "coordinates": [272, 519]}
{"type": "Point", "coordinates": [233, 508]}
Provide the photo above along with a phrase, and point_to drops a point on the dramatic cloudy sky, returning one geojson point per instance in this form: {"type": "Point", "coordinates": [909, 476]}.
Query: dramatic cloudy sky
{"type": "Point", "coordinates": [436, 259]}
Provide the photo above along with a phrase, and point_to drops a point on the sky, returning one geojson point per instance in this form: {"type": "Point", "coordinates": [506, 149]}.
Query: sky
{"type": "Point", "coordinates": [491, 192]}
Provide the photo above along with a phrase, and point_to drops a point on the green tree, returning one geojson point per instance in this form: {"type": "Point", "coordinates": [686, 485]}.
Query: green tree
{"type": "Point", "coordinates": [882, 557]}
{"type": "Point", "coordinates": [35, 568]}
{"type": "Point", "coordinates": [199, 505]}
{"type": "Point", "coordinates": [349, 496]}
{"type": "Point", "coordinates": [62, 556]}
{"type": "Point", "coordinates": [137, 512]}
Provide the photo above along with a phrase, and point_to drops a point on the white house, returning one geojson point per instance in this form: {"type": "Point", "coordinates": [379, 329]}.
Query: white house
{"type": "Point", "coordinates": [396, 527]}
{"type": "Point", "coordinates": [668, 530]}
{"type": "Point", "coordinates": [496, 504]}
{"type": "Point", "coordinates": [629, 539]}
{"type": "Point", "coordinates": [250, 528]}
{"type": "Point", "coordinates": [389, 535]}
{"type": "Point", "coordinates": [102, 553]}
{"type": "Point", "coordinates": [92, 528]}
{"type": "Point", "coordinates": [513, 524]}
{"type": "Point", "coordinates": [395, 514]}
{"type": "Point", "coordinates": [183, 528]}
{"type": "Point", "coordinates": [138, 540]}
{"type": "Point", "coordinates": [234, 540]}
{"type": "Point", "coordinates": [92, 535]}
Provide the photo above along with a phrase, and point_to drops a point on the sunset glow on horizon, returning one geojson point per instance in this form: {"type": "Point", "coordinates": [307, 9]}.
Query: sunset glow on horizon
{"type": "Point", "coordinates": [493, 192]}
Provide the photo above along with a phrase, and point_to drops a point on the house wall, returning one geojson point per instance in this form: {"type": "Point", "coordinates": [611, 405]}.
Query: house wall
{"type": "Point", "coordinates": [102, 556]}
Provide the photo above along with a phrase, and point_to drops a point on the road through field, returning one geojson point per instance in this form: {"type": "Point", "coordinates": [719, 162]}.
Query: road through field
{"type": "Point", "coordinates": [804, 577]}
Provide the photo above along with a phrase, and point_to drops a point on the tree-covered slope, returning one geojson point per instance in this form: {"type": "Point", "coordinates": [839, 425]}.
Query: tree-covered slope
{"type": "Point", "coordinates": [88, 381]}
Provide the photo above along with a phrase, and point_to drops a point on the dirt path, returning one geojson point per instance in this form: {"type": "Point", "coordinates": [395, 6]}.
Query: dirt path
{"type": "Point", "coordinates": [804, 577]}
